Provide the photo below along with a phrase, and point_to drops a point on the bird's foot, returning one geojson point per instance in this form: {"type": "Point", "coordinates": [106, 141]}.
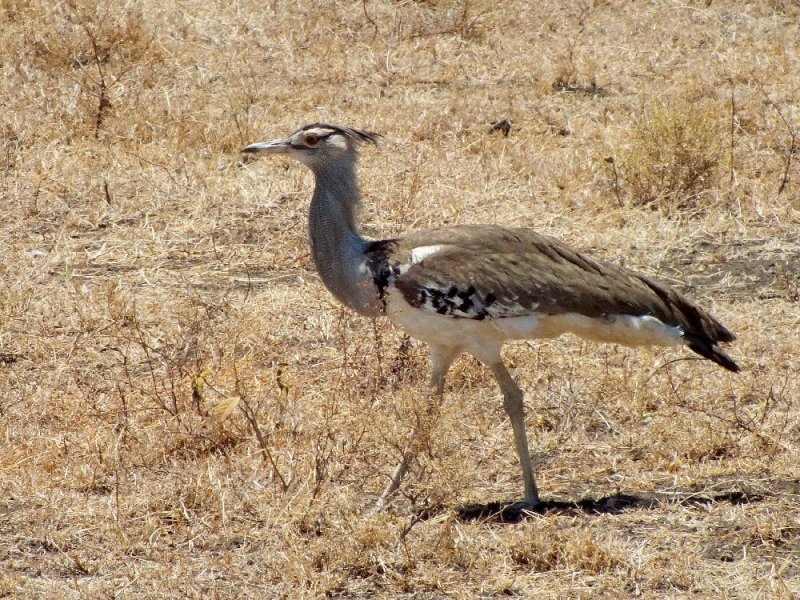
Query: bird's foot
{"type": "Point", "coordinates": [504, 512]}
{"type": "Point", "coordinates": [526, 506]}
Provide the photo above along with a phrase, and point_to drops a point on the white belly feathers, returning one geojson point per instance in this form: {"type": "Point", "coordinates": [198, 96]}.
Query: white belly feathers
{"type": "Point", "coordinates": [473, 335]}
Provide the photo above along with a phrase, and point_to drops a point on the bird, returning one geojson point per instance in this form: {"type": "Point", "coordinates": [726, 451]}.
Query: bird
{"type": "Point", "coordinates": [472, 288]}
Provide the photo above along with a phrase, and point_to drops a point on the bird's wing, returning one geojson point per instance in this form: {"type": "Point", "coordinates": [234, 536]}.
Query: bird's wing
{"type": "Point", "coordinates": [490, 272]}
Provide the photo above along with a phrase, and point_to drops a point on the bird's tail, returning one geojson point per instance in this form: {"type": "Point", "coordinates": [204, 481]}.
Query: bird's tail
{"type": "Point", "coordinates": [708, 348]}
{"type": "Point", "coordinates": [702, 332]}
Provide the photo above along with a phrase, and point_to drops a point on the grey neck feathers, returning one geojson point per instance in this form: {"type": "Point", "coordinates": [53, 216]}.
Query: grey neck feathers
{"type": "Point", "coordinates": [336, 245]}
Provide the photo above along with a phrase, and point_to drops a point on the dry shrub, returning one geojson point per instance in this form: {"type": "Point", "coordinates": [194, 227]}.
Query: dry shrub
{"type": "Point", "coordinates": [671, 160]}
{"type": "Point", "coordinates": [99, 48]}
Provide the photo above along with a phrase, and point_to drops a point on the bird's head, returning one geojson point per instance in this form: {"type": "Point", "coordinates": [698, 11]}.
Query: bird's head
{"type": "Point", "coordinates": [317, 144]}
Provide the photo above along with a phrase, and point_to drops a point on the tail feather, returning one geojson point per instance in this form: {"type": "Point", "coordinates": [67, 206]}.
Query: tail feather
{"type": "Point", "coordinates": [708, 348]}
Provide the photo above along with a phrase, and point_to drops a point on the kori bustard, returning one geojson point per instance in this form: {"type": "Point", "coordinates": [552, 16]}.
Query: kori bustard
{"type": "Point", "coordinates": [470, 288]}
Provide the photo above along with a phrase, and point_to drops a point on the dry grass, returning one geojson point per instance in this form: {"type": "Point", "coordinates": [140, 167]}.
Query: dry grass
{"type": "Point", "coordinates": [187, 413]}
{"type": "Point", "coordinates": [673, 156]}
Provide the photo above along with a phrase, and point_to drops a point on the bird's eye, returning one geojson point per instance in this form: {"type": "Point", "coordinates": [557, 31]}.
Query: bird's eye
{"type": "Point", "coordinates": [312, 139]}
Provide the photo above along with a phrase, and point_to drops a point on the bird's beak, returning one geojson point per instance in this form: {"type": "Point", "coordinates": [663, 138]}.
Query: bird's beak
{"type": "Point", "coordinates": [273, 147]}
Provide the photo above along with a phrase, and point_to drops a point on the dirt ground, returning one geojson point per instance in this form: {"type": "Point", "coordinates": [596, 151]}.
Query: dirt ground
{"type": "Point", "coordinates": [187, 413]}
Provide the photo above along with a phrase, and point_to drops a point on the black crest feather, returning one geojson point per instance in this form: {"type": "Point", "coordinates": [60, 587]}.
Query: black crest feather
{"type": "Point", "coordinates": [354, 134]}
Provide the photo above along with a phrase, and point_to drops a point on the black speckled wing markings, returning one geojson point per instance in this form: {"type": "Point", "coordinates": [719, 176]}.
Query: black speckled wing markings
{"type": "Point", "coordinates": [455, 301]}
{"type": "Point", "coordinates": [450, 296]}
{"type": "Point", "coordinates": [457, 282]}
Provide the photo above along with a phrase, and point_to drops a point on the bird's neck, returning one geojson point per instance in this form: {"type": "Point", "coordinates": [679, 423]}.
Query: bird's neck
{"type": "Point", "coordinates": [336, 245]}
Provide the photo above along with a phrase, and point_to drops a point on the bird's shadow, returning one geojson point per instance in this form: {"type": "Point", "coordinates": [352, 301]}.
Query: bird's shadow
{"type": "Point", "coordinates": [515, 512]}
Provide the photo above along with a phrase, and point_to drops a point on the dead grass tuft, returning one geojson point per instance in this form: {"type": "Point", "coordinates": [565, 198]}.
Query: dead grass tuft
{"type": "Point", "coordinates": [552, 548]}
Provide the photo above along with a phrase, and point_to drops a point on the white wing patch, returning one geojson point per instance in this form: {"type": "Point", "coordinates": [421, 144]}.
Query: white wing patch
{"type": "Point", "coordinates": [420, 253]}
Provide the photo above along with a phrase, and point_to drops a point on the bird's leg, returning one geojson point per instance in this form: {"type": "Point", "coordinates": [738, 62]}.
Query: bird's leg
{"type": "Point", "coordinates": [512, 402]}
{"type": "Point", "coordinates": [441, 359]}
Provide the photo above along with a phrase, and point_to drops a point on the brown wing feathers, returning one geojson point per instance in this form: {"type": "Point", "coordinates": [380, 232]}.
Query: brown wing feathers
{"type": "Point", "coordinates": [527, 272]}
